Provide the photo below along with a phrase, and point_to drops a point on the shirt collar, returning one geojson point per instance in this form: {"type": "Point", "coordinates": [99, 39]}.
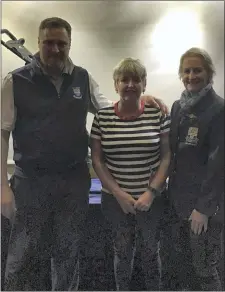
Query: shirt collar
{"type": "Point", "coordinates": [68, 68]}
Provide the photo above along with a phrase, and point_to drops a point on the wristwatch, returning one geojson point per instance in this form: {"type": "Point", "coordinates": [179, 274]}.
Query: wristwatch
{"type": "Point", "coordinates": [154, 191]}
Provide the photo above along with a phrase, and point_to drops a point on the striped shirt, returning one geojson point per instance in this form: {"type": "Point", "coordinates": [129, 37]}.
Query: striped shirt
{"type": "Point", "coordinates": [131, 147]}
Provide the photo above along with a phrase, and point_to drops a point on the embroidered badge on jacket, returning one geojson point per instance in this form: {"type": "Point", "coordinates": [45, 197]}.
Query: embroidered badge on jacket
{"type": "Point", "coordinates": [77, 93]}
{"type": "Point", "coordinates": [192, 136]}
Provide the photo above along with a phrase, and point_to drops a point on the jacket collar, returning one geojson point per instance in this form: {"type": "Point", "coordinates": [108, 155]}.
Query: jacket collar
{"type": "Point", "coordinates": [39, 70]}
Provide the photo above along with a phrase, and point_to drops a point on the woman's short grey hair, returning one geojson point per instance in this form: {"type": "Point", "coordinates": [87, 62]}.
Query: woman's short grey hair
{"type": "Point", "coordinates": [130, 67]}
{"type": "Point", "coordinates": [207, 60]}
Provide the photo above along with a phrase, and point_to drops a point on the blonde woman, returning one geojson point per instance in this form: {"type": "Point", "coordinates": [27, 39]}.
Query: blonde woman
{"type": "Point", "coordinates": [130, 154]}
{"type": "Point", "coordinates": [196, 184]}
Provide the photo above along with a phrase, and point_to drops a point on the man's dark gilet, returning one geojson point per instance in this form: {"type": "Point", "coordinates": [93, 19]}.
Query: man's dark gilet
{"type": "Point", "coordinates": [50, 131]}
{"type": "Point", "coordinates": [188, 168]}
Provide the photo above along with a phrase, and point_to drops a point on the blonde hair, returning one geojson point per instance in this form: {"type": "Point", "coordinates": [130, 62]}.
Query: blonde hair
{"type": "Point", "coordinates": [130, 66]}
{"type": "Point", "coordinates": [207, 60]}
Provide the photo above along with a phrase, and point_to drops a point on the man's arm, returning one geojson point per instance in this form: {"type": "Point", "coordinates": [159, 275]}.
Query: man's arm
{"type": "Point", "coordinates": [7, 122]}
{"type": "Point", "coordinates": [98, 100]}
{"type": "Point", "coordinates": [156, 103]}
{"type": "Point", "coordinates": [8, 114]}
{"type": "Point", "coordinates": [4, 156]}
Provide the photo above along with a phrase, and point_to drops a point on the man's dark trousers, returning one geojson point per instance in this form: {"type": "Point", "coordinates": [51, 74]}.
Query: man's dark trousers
{"type": "Point", "coordinates": [49, 223]}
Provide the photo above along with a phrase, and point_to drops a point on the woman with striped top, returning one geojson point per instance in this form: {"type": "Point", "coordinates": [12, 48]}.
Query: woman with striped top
{"type": "Point", "coordinates": [130, 154]}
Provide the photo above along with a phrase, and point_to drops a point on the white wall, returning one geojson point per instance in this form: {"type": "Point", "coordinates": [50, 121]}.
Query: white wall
{"type": "Point", "coordinates": [100, 48]}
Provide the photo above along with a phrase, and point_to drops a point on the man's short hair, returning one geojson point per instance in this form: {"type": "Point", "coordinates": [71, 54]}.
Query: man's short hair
{"type": "Point", "coordinates": [55, 22]}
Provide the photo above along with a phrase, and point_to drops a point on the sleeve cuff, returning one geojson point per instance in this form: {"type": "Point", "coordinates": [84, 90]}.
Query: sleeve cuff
{"type": "Point", "coordinates": [209, 210]}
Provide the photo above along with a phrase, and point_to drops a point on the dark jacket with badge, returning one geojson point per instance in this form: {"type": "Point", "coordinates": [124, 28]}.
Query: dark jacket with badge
{"type": "Point", "coordinates": [50, 131]}
{"type": "Point", "coordinates": [197, 167]}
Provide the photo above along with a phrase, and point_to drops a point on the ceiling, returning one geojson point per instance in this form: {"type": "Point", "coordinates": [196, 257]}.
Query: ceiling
{"type": "Point", "coordinates": [104, 14]}
{"type": "Point", "coordinates": [120, 17]}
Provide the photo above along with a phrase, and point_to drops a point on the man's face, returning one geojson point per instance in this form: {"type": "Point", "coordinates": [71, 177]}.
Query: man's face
{"type": "Point", "coordinates": [54, 46]}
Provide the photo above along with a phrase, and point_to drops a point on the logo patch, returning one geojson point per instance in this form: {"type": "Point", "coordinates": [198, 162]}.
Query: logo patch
{"type": "Point", "coordinates": [76, 93]}
{"type": "Point", "coordinates": [192, 136]}
{"type": "Point", "coordinates": [192, 117]}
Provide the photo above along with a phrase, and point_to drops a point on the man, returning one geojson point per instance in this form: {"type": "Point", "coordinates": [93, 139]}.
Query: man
{"type": "Point", "coordinates": [45, 105]}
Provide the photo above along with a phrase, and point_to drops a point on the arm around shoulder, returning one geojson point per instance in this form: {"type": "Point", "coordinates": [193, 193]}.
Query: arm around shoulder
{"type": "Point", "coordinates": [98, 100]}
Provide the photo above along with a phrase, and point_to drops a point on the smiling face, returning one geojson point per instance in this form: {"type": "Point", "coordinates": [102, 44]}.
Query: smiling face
{"type": "Point", "coordinates": [54, 46]}
{"type": "Point", "coordinates": [194, 74]}
{"type": "Point", "coordinates": [130, 87]}
{"type": "Point", "coordinates": [130, 79]}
